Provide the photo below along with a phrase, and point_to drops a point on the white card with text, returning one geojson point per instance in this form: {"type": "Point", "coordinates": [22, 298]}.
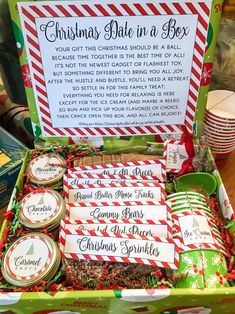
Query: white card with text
{"type": "Point", "coordinates": [145, 168]}
{"type": "Point", "coordinates": [124, 248]}
{"type": "Point", "coordinates": [162, 228]}
{"type": "Point", "coordinates": [119, 210]}
{"type": "Point", "coordinates": [110, 192]}
{"type": "Point", "coordinates": [75, 179]}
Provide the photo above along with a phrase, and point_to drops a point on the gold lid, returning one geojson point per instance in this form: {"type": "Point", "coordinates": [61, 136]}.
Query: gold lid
{"type": "Point", "coordinates": [29, 259]}
{"type": "Point", "coordinates": [46, 170]}
{"type": "Point", "coordinates": [42, 208]}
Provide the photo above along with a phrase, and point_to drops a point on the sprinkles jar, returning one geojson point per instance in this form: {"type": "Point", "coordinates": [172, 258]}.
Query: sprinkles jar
{"type": "Point", "coordinates": [29, 259]}
{"type": "Point", "coordinates": [41, 209]}
{"type": "Point", "coordinates": [46, 170]}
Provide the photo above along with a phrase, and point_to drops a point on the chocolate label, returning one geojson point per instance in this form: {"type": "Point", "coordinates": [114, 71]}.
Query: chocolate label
{"type": "Point", "coordinates": [39, 206]}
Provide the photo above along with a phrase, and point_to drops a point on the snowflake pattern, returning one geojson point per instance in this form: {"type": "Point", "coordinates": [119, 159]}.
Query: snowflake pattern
{"type": "Point", "coordinates": [206, 74]}
{"type": "Point", "coordinates": [26, 75]}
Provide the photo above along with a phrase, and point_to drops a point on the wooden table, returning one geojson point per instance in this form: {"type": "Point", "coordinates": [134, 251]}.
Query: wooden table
{"type": "Point", "coordinates": [227, 173]}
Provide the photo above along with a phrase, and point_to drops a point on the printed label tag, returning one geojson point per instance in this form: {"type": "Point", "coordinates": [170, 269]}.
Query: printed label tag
{"type": "Point", "coordinates": [175, 154]}
{"type": "Point", "coordinates": [119, 210]}
{"type": "Point", "coordinates": [162, 252]}
{"type": "Point", "coordinates": [197, 232]}
{"type": "Point", "coordinates": [155, 168]}
{"type": "Point", "coordinates": [195, 229]}
{"type": "Point", "coordinates": [136, 227]}
{"type": "Point", "coordinates": [112, 192]}
{"type": "Point", "coordinates": [40, 206]}
{"type": "Point", "coordinates": [42, 167]}
{"type": "Point", "coordinates": [82, 178]}
{"type": "Point", "coordinates": [28, 257]}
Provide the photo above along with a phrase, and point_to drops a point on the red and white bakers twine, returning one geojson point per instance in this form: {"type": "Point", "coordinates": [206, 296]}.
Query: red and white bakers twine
{"type": "Point", "coordinates": [64, 232]}
{"type": "Point", "coordinates": [30, 12]}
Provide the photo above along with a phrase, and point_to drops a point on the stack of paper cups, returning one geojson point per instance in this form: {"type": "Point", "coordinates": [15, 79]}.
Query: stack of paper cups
{"type": "Point", "coordinates": [202, 257]}
{"type": "Point", "coordinates": [219, 123]}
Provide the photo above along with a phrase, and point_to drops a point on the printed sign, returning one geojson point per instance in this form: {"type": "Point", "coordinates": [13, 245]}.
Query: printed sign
{"type": "Point", "coordinates": [81, 178]}
{"type": "Point", "coordinates": [112, 69]}
{"type": "Point", "coordinates": [111, 192]}
{"type": "Point", "coordinates": [162, 228]}
{"type": "Point", "coordinates": [119, 210]}
{"type": "Point", "coordinates": [146, 168]}
{"type": "Point", "coordinates": [90, 245]}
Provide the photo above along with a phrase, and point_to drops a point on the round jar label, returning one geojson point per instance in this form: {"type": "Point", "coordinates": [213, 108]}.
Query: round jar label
{"type": "Point", "coordinates": [29, 257]}
{"type": "Point", "coordinates": [38, 207]}
{"type": "Point", "coordinates": [46, 167]}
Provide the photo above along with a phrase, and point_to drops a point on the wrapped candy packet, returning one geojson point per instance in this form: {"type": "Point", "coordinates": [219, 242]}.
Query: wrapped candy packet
{"type": "Point", "coordinates": [84, 274]}
{"type": "Point", "coordinates": [110, 159]}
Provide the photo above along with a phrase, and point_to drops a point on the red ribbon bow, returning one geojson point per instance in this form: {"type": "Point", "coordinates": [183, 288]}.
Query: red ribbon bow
{"type": "Point", "coordinates": [187, 139]}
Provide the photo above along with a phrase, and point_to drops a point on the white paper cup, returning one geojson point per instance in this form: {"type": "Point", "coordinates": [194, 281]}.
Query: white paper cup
{"type": "Point", "coordinates": [215, 142]}
{"type": "Point", "coordinates": [219, 128]}
{"type": "Point", "coordinates": [219, 141]}
{"type": "Point", "coordinates": [188, 207]}
{"type": "Point", "coordinates": [186, 195]}
{"type": "Point", "coordinates": [221, 150]}
{"type": "Point", "coordinates": [221, 104]}
{"type": "Point", "coordinates": [209, 116]}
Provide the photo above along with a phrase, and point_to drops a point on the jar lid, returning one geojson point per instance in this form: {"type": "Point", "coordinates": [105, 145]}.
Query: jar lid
{"type": "Point", "coordinates": [46, 169]}
{"type": "Point", "coordinates": [42, 208]}
{"type": "Point", "coordinates": [29, 259]}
